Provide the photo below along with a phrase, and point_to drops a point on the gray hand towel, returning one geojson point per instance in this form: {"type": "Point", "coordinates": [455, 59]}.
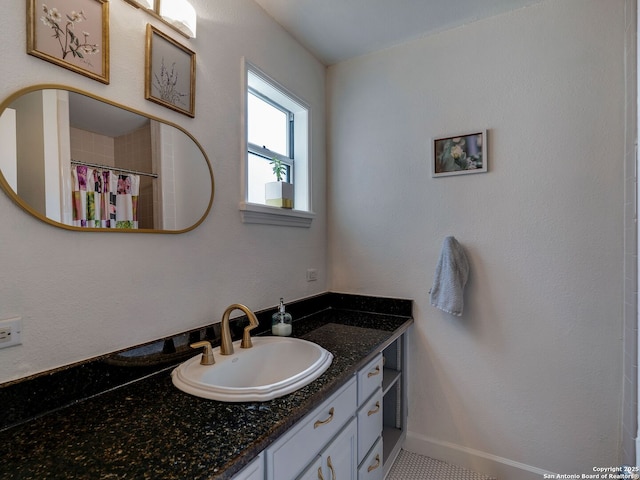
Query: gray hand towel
{"type": "Point", "coordinates": [451, 276]}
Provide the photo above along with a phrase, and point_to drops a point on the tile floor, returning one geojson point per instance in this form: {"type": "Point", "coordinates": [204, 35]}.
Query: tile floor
{"type": "Point", "coordinates": [411, 466]}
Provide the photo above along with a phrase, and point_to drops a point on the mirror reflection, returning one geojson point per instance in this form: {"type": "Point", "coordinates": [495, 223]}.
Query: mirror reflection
{"type": "Point", "coordinates": [87, 164]}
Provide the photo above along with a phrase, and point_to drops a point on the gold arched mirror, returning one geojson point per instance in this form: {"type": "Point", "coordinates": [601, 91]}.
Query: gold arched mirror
{"type": "Point", "coordinates": [84, 163]}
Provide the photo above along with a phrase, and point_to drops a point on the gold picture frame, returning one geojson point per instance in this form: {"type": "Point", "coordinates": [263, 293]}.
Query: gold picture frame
{"type": "Point", "coordinates": [170, 73]}
{"type": "Point", "coordinates": [73, 34]}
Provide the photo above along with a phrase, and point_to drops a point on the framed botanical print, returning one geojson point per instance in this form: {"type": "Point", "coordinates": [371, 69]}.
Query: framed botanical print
{"type": "Point", "coordinates": [73, 34]}
{"type": "Point", "coordinates": [170, 72]}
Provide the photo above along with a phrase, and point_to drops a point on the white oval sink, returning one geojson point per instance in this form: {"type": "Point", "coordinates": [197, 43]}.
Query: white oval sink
{"type": "Point", "coordinates": [273, 367]}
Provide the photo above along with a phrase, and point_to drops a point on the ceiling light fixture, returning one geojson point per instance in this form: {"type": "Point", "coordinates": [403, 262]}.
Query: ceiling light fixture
{"type": "Point", "coordinates": [146, 3]}
{"type": "Point", "coordinates": [181, 14]}
{"type": "Point", "coordinates": [178, 14]}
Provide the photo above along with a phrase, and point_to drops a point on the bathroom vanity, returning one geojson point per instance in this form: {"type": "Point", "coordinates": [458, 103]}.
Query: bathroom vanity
{"type": "Point", "coordinates": [344, 437]}
{"type": "Point", "coordinates": [350, 420]}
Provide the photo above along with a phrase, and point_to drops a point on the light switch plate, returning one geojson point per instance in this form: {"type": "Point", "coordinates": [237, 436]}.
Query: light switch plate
{"type": "Point", "coordinates": [312, 274]}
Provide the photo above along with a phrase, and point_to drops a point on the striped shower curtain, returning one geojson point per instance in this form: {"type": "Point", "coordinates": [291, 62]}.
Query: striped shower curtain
{"type": "Point", "coordinates": [104, 199]}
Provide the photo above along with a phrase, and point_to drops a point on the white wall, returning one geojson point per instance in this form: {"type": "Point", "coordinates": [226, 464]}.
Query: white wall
{"type": "Point", "coordinates": [529, 378]}
{"type": "Point", "coordinates": [85, 294]}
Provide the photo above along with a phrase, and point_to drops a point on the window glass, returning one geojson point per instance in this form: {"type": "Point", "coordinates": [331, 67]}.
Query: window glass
{"type": "Point", "coordinates": [268, 126]}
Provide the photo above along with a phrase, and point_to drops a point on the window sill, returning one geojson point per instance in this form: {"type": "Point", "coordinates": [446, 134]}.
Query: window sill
{"type": "Point", "coordinates": [266, 215]}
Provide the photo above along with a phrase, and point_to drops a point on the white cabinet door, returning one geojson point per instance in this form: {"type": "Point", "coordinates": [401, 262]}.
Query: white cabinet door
{"type": "Point", "coordinates": [338, 460]}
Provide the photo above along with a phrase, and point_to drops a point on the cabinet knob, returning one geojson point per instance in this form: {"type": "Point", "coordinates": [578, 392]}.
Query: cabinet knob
{"type": "Point", "coordinates": [375, 372]}
{"type": "Point", "coordinates": [319, 423]}
{"type": "Point", "coordinates": [375, 410]}
{"type": "Point", "coordinates": [375, 465]}
{"type": "Point", "coordinates": [320, 476]}
{"type": "Point", "coordinates": [333, 472]}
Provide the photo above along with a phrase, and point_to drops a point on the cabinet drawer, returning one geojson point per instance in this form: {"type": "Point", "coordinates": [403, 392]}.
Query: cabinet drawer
{"type": "Point", "coordinates": [371, 468]}
{"type": "Point", "coordinates": [369, 378]}
{"type": "Point", "coordinates": [369, 424]}
{"type": "Point", "coordinates": [289, 455]}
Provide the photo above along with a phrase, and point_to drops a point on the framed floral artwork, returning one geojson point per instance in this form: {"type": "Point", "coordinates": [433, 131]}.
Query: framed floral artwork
{"type": "Point", "coordinates": [170, 72]}
{"type": "Point", "coordinates": [73, 34]}
{"type": "Point", "coordinates": [459, 154]}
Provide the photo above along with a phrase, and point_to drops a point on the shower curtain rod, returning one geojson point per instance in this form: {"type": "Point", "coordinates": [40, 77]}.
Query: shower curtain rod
{"type": "Point", "coordinates": [116, 169]}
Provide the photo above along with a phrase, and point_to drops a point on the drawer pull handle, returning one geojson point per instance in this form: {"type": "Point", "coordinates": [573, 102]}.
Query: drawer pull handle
{"type": "Point", "coordinates": [333, 472]}
{"type": "Point", "coordinates": [375, 465]}
{"type": "Point", "coordinates": [375, 372]}
{"type": "Point", "coordinates": [375, 410]}
{"type": "Point", "coordinates": [320, 476]}
{"type": "Point", "coordinates": [319, 423]}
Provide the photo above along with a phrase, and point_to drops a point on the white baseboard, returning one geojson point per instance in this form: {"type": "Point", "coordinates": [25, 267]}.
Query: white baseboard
{"type": "Point", "coordinates": [471, 459]}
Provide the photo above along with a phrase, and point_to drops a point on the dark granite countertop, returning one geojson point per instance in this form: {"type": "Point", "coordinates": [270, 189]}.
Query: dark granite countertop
{"type": "Point", "coordinates": [149, 429]}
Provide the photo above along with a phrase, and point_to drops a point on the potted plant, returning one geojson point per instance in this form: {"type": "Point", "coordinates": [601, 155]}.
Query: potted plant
{"type": "Point", "coordinates": [279, 193]}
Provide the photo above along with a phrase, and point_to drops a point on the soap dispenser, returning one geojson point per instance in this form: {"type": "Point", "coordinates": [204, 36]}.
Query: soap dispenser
{"type": "Point", "coordinates": [281, 322]}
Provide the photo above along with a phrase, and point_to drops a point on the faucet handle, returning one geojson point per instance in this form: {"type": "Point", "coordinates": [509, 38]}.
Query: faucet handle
{"type": "Point", "coordinates": [246, 335]}
{"type": "Point", "coordinates": [207, 355]}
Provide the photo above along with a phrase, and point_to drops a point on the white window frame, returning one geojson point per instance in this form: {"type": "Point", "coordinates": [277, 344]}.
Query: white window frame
{"type": "Point", "coordinates": [302, 214]}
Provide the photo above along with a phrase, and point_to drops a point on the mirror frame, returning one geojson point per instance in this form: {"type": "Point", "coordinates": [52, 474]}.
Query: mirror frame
{"type": "Point", "coordinates": [29, 209]}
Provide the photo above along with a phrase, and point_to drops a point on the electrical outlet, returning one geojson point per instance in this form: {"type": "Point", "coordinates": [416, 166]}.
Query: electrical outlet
{"type": "Point", "coordinates": [312, 274]}
{"type": "Point", "coordinates": [10, 332]}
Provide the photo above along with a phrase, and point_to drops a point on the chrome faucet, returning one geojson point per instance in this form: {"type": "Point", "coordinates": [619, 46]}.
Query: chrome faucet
{"type": "Point", "coordinates": [226, 346]}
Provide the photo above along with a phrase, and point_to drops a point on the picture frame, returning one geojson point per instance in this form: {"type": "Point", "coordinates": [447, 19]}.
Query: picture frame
{"type": "Point", "coordinates": [459, 154]}
{"type": "Point", "coordinates": [170, 72]}
{"type": "Point", "coordinates": [73, 34]}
